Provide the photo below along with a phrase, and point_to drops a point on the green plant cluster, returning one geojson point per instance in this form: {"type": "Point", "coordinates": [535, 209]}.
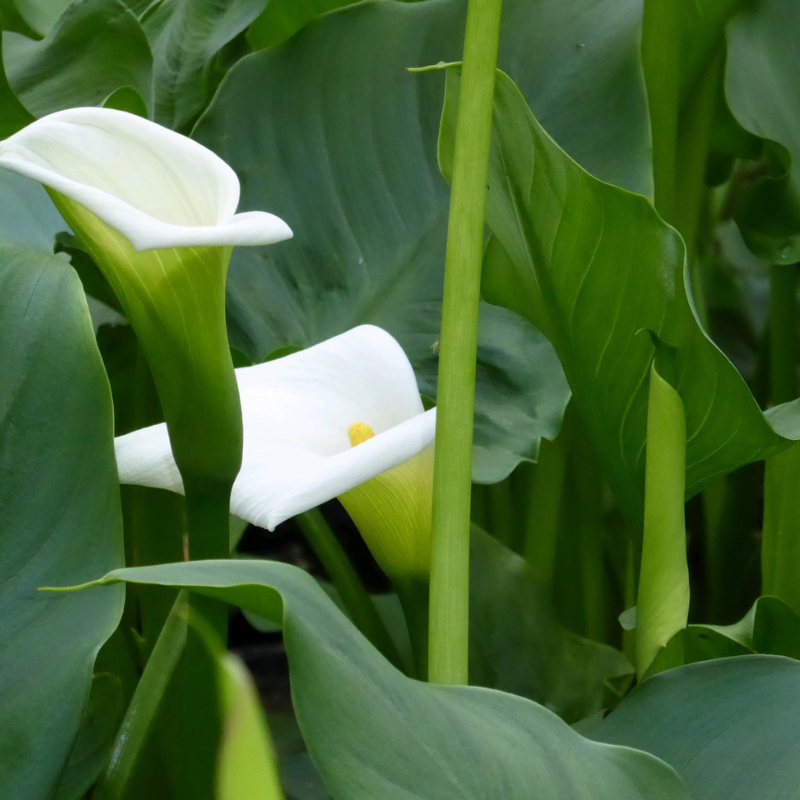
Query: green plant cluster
{"type": "Point", "coordinates": [580, 221]}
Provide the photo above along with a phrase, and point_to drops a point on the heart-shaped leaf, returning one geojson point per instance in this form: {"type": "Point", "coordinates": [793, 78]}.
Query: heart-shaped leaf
{"type": "Point", "coordinates": [729, 727]}
{"type": "Point", "coordinates": [595, 268]}
{"type": "Point", "coordinates": [59, 516]}
{"type": "Point", "coordinates": [373, 732]}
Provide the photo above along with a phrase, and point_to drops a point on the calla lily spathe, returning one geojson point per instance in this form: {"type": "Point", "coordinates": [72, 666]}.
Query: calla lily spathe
{"type": "Point", "coordinates": [302, 414]}
{"type": "Point", "coordinates": [159, 189]}
{"type": "Point", "coordinates": [157, 212]}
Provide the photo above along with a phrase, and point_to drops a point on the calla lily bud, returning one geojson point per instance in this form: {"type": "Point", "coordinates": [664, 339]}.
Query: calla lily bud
{"type": "Point", "coordinates": [157, 213]}
{"type": "Point", "coordinates": [341, 419]}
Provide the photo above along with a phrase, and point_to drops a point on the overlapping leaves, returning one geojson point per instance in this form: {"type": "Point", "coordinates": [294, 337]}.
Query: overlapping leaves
{"type": "Point", "coordinates": [353, 172]}
{"type": "Point", "coordinates": [595, 268]}
{"type": "Point", "coordinates": [403, 738]}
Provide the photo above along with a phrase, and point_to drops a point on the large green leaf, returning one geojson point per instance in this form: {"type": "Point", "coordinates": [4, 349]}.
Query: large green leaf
{"type": "Point", "coordinates": [595, 268]}
{"type": "Point", "coordinates": [185, 36]}
{"type": "Point", "coordinates": [41, 15]}
{"type": "Point", "coordinates": [729, 726]}
{"type": "Point", "coordinates": [764, 95]}
{"type": "Point", "coordinates": [518, 645]}
{"type": "Point", "coordinates": [341, 143]}
{"type": "Point", "coordinates": [59, 516]}
{"type": "Point", "coordinates": [373, 732]}
{"type": "Point", "coordinates": [96, 47]}
{"type": "Point", "coordinates": [281, 19]}
{"type": "Point", "coordinates": [13, 115]}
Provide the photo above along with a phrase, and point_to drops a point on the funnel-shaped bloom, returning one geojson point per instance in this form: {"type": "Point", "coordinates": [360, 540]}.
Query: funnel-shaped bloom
{"type": "Point", "coordinates": [157, 188]}
{"type": "Point", "coordinates": [345, 413]}
{"type": "Point", "coordinates": [157, 213]}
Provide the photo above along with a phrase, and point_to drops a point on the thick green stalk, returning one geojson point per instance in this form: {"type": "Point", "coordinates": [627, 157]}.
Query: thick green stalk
{"type": "Point", "coordinates": [154, 520]}
{"type": "Point", "coordinates": [660, 34]}
{"type": "Point", "coordinates": [449, 600]}
{"type": "Point", "coordinates": [780, 547]}
{"type": "Point", "coordinates": [783, 333]}
{"type": "Point", "coordinates": [694, 131]}
{"type": "Point", "coordinates": [545, 506]}
{"type": "Point", "coordinates": [352, 593]}
{"type": "Point", "coordinates": [142, 711]}
{"type": "Point", "coordinates": [662, 608]}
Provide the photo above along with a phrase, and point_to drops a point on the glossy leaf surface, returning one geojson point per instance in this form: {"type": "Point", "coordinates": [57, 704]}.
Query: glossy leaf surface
{"type": "Point", "coordinates": [727, 726]}
{"type": "Point", "coordinates": [59, 516]}
{"type": "Point", "coordinates": [405, 739]}
{"type": "Point", "coordinates": [594, 267]}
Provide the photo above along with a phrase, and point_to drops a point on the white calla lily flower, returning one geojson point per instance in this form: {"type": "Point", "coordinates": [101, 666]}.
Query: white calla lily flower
{"type": "Point", "coordinates": [157, 213]}
{"type": "Point", "coordinates": [156, 187]}
{"type": "Point", "coordinates": [318, 424]}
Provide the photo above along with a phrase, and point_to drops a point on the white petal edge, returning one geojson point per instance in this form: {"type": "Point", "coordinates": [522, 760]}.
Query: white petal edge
{"type": "Point", "coordinates": [144, 458]}
{"type": "Point", "coordinates": [188, 182]}
{"type": "Point", "coordinates": [361, 375]}
{"type": "Point", "coordinates": [316, 483]}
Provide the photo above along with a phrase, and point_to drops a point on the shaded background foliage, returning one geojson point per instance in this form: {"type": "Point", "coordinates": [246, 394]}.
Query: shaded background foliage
{"type": "Point", "coordinates": [312, 105]}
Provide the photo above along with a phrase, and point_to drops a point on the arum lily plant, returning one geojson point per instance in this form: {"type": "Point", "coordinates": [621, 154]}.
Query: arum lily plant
{"type": "Point", "coordinates": [157, 213]}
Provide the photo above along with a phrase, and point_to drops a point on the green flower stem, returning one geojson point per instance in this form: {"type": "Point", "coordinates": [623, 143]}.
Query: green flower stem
{"type": "Point", "coordinates": [545, 506]}
{"type": "Point", "coordinates": [449, 596]}
{"type": "Point", "coordinates": [780, 547]}
{"type": "Point", "coordinates": [352, 593]}
{"type": "Point", "coordinates": [415, 599]}
{"type": "Point", "coordinates": [662, 607]}
{"type": "Point", "coordinates": [660, 32]}
{"type": "Point", "coordinates": [141, 713]}
{"type": "Point", "coordinates": [154, 520]}
{"type": "Point", "coordinates": [175, 301]}
{"type": "Point", "coordinates": [694, 131]}
{"type": "Point", "coordinates": [780, 544]}
{"type": "Point", "coordinates": [783, 333]}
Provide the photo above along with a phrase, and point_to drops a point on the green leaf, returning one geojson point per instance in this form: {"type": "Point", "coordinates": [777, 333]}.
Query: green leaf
{"type": "Point", "coordinates": [764, 97]}
{"type": "Point", "coordinates": [372, 732]}
{"type": "Point", "coordinates": [42, 15]}
{"type": "Point", "coordinates": [281, 19]}
{"type": "Point", "coordinates": [185, 36]}
{"type": "Point", "coordinates": [770, 627]}
{"type": "Point", "coordinates": [13, 115]}
{"type": "Point", "coordinates": [59, 516]}
{"type": "Point", "coordinates": [95, 48]}
{"type": "Point", "coordinates": [728, 727]}
{"type": "Point", "coordinates": [518, 645]}
{"type": "Point", "coordinates": [593, 267]}
{"type": "Point", "coordinates": [345, 154]}
{"type": "Point", "coordinates": [248, 766]}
